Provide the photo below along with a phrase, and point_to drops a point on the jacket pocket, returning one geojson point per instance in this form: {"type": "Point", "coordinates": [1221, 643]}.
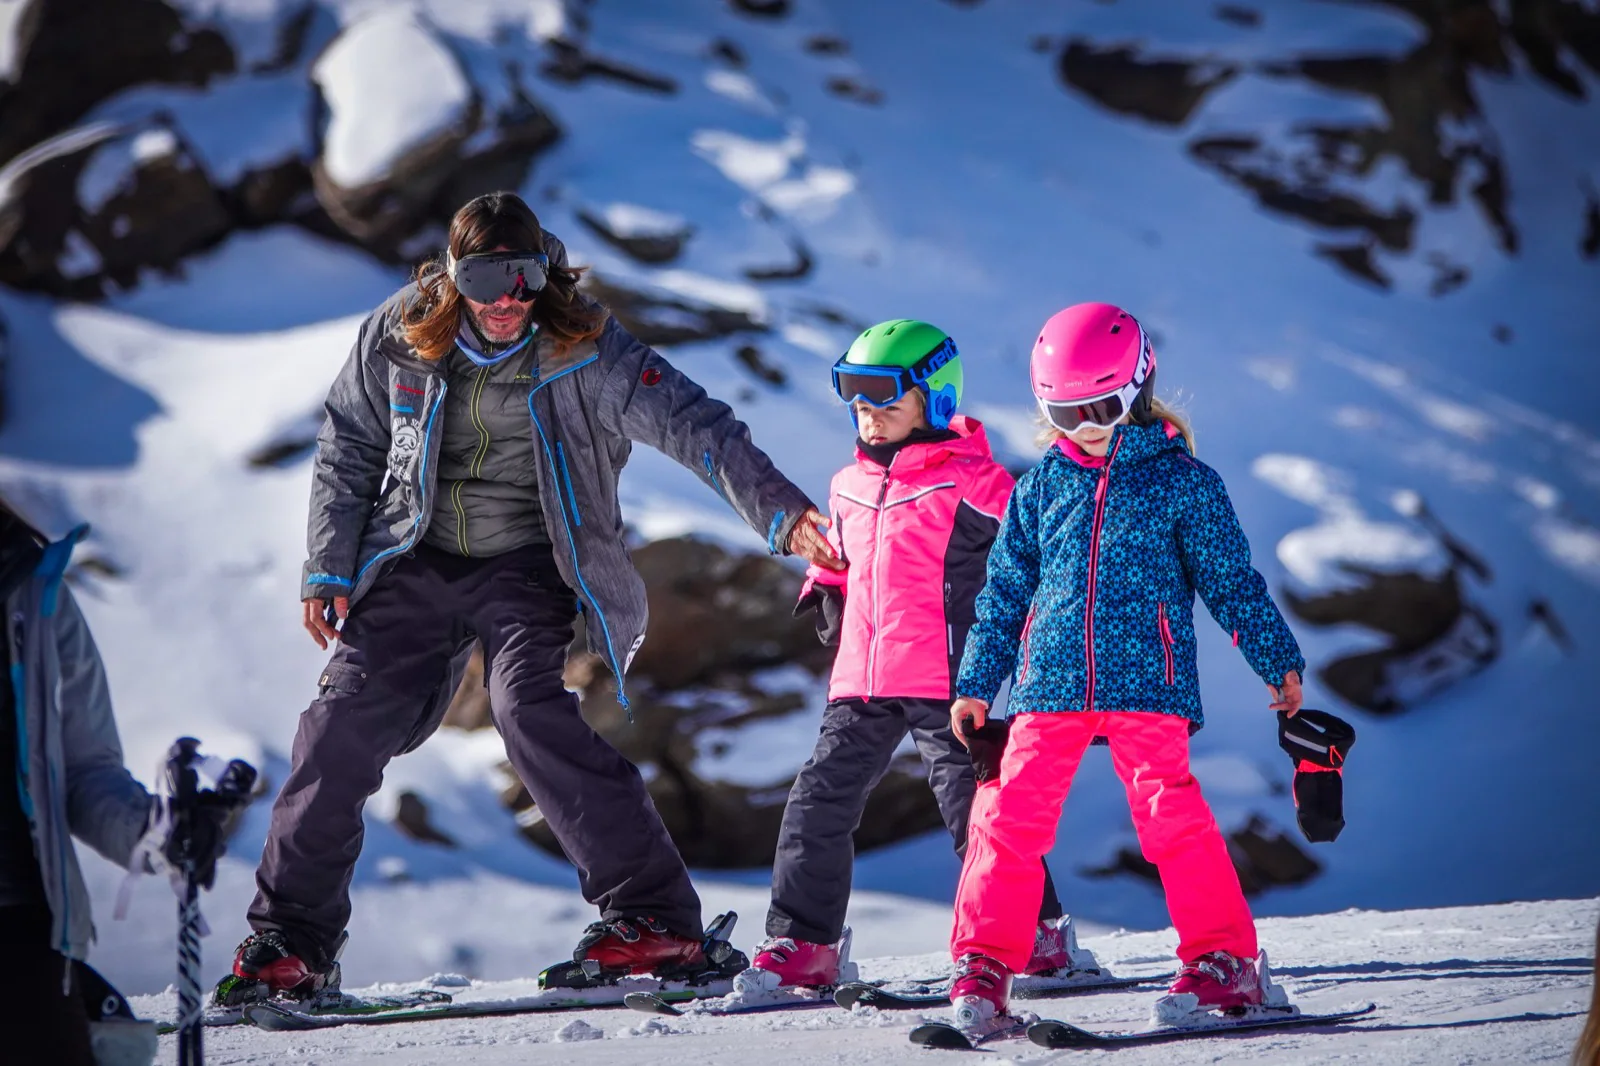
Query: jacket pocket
{"type": "Point", "coordinates": [566, 482]}
{"type": "Point", "coordinates": [1166, 640]}
{"type": "Point", "coordinates": [1027, 632]}
{"type": "Point", "coordinates": [340, 679]}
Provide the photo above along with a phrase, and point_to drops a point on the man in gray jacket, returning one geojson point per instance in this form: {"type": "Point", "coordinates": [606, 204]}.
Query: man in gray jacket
{"type": "Point", "coordinates": [465, 489]}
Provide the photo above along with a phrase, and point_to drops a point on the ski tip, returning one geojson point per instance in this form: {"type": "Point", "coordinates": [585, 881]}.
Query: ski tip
{"type": "Point", "coordinates": [848, 995]}
{"type": "Point", "coordinates": [942, 1037]}
{"type": "Point", "coordinates": [650, 1003]}
{"type": "Point", "coordinates": [1058, 1035]}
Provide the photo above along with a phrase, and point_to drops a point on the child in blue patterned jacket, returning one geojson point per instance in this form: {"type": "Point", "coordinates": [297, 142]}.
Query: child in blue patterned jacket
{"type": "Point", "coordinates": [1089, 600]}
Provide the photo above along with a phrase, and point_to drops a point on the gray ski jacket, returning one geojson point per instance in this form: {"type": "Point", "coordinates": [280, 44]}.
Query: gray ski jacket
{"type": "Point", "coordinates": [376, 467]}
{"type": "Point", "coordinates": [69, 772]}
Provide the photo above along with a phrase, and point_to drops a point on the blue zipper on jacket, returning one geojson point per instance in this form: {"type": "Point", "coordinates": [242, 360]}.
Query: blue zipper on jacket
{"type": "Point", "coordinates": [617, 665]}
{"type": "Point", "coordinates": [422, 488]}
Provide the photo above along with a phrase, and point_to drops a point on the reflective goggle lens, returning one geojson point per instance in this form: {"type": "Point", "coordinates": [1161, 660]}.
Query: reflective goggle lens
{"type": "Point", "coordinates": [880, 390]}
{"type": "Point", "coordinates": [485, 278]}
{"type": "Point", "coordinates": [1067, 417]}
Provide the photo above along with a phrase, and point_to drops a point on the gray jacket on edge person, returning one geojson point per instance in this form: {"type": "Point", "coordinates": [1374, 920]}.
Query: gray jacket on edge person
{"type": "Point", "coordinates": [587, 409]}
{"type": "Point", "coordinates": [69, 769]}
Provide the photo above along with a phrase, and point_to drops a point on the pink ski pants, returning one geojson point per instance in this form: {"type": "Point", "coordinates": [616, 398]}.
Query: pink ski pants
{"type": "Point", "coordinates": [1014, 820]}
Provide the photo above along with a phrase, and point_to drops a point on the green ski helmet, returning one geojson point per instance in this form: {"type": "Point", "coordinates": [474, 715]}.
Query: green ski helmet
{"type": "Point", "coordinates": [892, 358]}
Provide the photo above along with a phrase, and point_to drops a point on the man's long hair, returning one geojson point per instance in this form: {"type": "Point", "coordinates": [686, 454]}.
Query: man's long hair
{"type": "Point", "coordinates": [497, 220]}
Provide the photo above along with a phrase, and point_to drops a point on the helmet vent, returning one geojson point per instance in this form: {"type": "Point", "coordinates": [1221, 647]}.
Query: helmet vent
{"type": "Point", "coordinates": [1107, 377]}
{"type": "Point", "coordinates": [1116, 328]}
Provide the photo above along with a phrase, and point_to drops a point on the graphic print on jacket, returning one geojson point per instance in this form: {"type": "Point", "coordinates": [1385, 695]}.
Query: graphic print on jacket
{"type": "Point", "coordinates": [915, 537]}
{"type": "Point", "coordinates": [1092, 579]}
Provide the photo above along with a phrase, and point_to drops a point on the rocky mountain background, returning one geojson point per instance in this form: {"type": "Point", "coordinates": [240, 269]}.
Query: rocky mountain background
{"type": "Point", "coordinates": [755, 180]}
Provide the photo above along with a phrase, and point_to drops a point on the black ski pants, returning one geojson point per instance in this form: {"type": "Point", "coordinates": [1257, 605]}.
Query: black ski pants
{"type": "Point", "coordinates": [400, 655]}
{"type": "Point", "coordinates": [816, 846]}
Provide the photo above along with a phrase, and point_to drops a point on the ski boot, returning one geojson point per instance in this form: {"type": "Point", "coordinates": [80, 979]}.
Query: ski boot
{"type": "Point", "coordinates": [1222, 982]}
{"type": "Point", "coordinates": [1056, 952]}
{"type": "Point", "coordinates": [266, 966]}
{"type": "Point", "coordinates": [783, 963]}
{"type": "Point", "coordinates": [614, 948]}
{"type": "Point", "coordinates": [980, 993]}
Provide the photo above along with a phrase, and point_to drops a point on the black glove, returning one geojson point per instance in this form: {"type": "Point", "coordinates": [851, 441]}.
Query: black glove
{"type": "Point", "coordinates": [988, 747]}
{"type": "Point", "coordinates": [198, 836]}
{"type": "Point", "coordinates": [828, 602]}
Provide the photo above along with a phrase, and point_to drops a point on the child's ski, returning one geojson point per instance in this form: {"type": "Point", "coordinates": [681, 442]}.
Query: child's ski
{"type": "Point", "coordinates": [1052, 1034]}
{"type": "Point", "coordinates": [787, 999]}
{"type": "Point", "coordinates": [865, 995]}
{"type": "Point", "coordinates": [949, 1038]}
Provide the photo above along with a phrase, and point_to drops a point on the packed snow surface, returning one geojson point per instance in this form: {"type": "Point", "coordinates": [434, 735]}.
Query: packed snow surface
{"type": "Point", "coordinates": [1501, 984]}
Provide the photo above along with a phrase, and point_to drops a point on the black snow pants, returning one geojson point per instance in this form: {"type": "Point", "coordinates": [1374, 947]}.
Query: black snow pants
{"type": "Point", "coordinates": [401, 653]}
{"type": "Point", "coordinates": [816, 848]}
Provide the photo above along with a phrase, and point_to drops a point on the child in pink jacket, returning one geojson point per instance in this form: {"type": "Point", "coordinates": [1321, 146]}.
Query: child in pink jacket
{"type": "Point", "coordinates": [913, 518]}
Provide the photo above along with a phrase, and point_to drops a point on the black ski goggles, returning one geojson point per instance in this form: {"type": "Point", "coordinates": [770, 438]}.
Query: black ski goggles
{"type": "Point", "coordinates": [485, 278]}
{"type": "Point", "coordinates": [881, 386]}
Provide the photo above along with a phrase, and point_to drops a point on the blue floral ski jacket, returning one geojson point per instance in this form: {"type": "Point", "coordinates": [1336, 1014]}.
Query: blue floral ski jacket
{"type": "Point", "coordinates": [1090, 590]}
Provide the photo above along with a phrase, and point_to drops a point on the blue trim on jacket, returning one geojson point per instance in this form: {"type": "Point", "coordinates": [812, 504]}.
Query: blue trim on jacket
{"type": "Point", "coordinates": [1167, 530]}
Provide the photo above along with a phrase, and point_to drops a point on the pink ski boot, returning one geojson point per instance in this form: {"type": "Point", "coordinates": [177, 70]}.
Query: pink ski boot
{"type": "Point", "coordinates": [980, 992]}
{"type": "Point", "coordinates": [784, 963]}
{"type": "Point", "coordinates": [1056, 952]}
{"type": "Point", "coordinates": [1218, 981]}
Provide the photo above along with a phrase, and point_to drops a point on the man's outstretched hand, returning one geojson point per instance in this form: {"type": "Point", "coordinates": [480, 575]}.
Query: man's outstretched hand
{"type": "Point", "coordinates": [810, 543]}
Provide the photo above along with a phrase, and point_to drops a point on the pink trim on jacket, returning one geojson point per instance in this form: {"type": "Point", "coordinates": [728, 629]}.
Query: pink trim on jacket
{"type": "Point", "coordinates": [894, 529]}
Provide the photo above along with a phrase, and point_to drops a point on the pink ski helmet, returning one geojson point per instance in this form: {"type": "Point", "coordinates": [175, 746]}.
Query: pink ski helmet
{"type": "Point", "coordinates": [1089, 365]}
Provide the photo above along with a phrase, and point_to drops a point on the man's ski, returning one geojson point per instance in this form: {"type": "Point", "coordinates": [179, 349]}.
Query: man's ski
{"type": "Point", "coordinates": [949, 1038]}
{"type": "Point", "coordinates": [342, 1004]}
{"type": "Point", "coordinates": [1059, 1035]}
{"type": "Point", "coordinates": [865, 995]}
{"type": "Point", "coordinates": [280, 1016]}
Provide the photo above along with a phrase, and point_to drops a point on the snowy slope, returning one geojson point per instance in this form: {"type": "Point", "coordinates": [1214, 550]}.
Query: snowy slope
{"type": "Point", "coordinates": [982, 196]}
{"type": "Point", "coordinates": [1488, 984]}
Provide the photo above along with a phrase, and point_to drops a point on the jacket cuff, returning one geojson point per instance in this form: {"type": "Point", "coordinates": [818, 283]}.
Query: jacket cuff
{"type": "Point", "coordinates": [320, 585]}
{"type": "Point", "coordinates": [781, 528]}
{"type": "Point", "coordinates": [1296, 665]}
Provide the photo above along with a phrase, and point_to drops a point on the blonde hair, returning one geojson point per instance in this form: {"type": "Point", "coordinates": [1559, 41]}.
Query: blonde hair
{"type": "Point", "coordinates": [1160, 411]}
{"type": "Point", "coordinates": [1587, 1053]}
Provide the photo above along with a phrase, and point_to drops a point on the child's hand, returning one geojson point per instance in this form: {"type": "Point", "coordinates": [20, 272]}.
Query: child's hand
{"type": "Point", "coordinates": [1288, 696]}
{"type": "Point", "coordinates": [967, 716]}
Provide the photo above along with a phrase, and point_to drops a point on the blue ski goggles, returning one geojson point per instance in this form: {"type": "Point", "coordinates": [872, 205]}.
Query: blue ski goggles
{"type": "Point", "coordinates": [882, 386]}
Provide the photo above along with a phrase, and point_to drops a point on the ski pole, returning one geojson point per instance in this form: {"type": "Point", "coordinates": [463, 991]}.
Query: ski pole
{"type": "Point", "coordinates": [233, 790]}
{"type": "Point", "coordinates": [183, 784]}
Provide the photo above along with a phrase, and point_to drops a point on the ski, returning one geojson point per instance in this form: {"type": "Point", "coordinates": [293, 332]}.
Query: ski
{"type": "Point", "coordinates": [865, 995]}
{"type": "Point", "coordinates": [944, 1037]}
{"type": "Point", "coordinates": [1060, 1035]}
{"type": "Point", "coordinates": [342, 1004]}
{"type": "Point", "coordinates": [795, 999]}
{"type": "Point", "coordinates": [283, 1017]}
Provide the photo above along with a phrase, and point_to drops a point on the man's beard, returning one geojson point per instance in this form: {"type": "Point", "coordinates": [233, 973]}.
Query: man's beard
{"type": "Point", "coordinates": [499, 339]}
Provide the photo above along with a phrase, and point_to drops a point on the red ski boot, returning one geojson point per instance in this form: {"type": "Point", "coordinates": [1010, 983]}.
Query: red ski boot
{"type": "Point", "coordinates": [638, 945]}
{"type": "Point", "coordinates": [266, 966]}
{"type": "Point", "coordinates": [784, 963]}
{"type": "Point", "coordinates": [980, 992]}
